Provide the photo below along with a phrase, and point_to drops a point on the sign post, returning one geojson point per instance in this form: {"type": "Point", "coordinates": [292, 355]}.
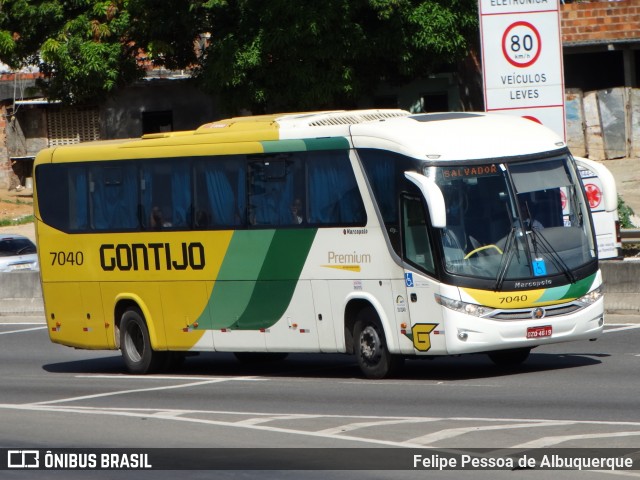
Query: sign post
{"type": "Point", "coordinates": [522, 60]}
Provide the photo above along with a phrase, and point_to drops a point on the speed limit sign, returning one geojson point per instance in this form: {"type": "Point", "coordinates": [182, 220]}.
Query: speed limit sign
{"type": "Point", "coordinates": [522, 60]}
{"type": "Point", "coordinates": [521, 44]}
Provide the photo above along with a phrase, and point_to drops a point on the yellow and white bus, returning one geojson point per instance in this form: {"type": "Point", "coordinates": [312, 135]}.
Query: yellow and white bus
{"type": "Point", "coordinates": [378, 233]}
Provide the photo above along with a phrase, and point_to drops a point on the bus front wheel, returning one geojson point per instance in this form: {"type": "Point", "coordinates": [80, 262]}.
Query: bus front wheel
{"type": "Point", "coordinates": [135, 343]}
{"type": "Point", "coordinates": [374, 359]}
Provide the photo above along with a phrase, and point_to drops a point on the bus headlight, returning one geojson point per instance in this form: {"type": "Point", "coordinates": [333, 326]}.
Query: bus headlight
{"type": "Point", "coordinates": [463, 307]}
{"type": "Point", "coordinates": [593, 296]}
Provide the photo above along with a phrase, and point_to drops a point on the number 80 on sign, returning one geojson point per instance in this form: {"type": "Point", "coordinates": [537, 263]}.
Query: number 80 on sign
{"type": "Point", "coordinates": [521, 44]}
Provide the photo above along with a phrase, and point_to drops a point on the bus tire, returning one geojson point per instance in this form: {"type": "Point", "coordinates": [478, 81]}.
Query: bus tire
{"type": "Point", "coordinates": [370, 346]}
{"type": "Point", "coordinates": [135, 343]}
{"type": "Point", "coordinates": [509, 358]}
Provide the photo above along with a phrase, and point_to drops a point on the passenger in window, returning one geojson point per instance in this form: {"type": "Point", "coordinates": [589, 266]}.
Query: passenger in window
{"type": "Point", "coordinates": [296, 212]}
{"type": "Point", "coordinates": [156, 221]}
{"type": "Point", "coordinates": [202, 219]}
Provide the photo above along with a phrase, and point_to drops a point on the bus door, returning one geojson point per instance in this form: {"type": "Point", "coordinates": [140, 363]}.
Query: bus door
{"type": "Point", "coordinates": [426, 330]}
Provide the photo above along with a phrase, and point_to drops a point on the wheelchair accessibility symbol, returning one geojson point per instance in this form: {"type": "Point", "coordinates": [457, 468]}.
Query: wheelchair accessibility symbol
{"type": "Point", "coordinates": [408, 279]}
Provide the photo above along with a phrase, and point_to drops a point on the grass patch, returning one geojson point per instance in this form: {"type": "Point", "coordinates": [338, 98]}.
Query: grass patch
{"type": "Point", "coordinates": [17, 221]}
{"type": "Point", "coordinates": [17, 201]}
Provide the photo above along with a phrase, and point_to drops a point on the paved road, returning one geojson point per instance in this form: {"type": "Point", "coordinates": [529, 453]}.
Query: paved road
{"type": "Point", "coordinates": [582, 394]}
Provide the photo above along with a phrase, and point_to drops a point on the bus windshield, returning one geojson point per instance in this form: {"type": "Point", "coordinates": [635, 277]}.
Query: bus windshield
{"type": "Point", "coordinates": [511, 221]}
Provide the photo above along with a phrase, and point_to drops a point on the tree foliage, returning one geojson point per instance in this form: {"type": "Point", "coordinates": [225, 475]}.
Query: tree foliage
{"type": "Point", "coordinates": [277, 55]}
{"type": "Point", "coordinates": [260, 55]}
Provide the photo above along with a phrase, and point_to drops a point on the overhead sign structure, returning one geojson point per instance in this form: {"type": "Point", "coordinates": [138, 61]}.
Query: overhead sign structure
{"type": "Point", "coordinates": [522, 60]}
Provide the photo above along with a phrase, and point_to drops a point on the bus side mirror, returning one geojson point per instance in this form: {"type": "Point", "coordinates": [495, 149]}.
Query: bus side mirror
{"type": "Point", "coordinates": [433, 195]}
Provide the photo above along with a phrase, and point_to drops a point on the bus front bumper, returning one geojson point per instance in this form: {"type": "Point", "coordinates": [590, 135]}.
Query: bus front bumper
{"type": "Point", "coordinates": [469, 334]}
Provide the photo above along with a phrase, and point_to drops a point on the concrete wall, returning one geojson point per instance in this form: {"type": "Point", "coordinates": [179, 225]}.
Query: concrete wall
{"type": "Point", "coordinates": [20, 292]}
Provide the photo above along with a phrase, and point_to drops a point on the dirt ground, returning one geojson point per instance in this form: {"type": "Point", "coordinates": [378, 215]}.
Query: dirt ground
{"type": "Point", "coordinates": [15, 205]}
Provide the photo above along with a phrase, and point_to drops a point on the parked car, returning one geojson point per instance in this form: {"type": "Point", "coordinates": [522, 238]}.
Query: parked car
{"type": "Point", "coordinates": [17, 253]}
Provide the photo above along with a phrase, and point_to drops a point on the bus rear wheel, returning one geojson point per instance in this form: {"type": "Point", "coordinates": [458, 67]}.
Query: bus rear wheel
{"type": "Point", "coordinates": [509, 358]}
{"type": "Point", "coordinates": [135, 343]}
{"type": "Point", "coordinates": [374, 359]}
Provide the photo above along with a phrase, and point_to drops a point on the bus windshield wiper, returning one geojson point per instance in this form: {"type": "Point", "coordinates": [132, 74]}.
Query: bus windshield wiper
{"type": "Point", "coordinates": [556, 259]}
{"type": "Point", "coordinates": [506, 258]}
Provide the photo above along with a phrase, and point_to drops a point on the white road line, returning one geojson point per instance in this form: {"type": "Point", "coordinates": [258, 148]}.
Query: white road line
{"type": "Point", "coordinates": [273, 418]}
{"type": "Point", "coordinates": [23, 323]}
{"type": "Point", "coordinates": [551, 441]}
{"type": "Point", "coordinates": [621, 328]}
{"type": "Point", "coordinates": [356, 426]}
{"type": "Point", "coordinates": [127, 376]}
{"type": "Point", "coordinates": [136, 390]}
{"type": "Point", "coordinates": [23, 330]}
{"type": "Point", "coordinates": [427, 440]}
{"type": "Point", "coordinates": [176, 417]}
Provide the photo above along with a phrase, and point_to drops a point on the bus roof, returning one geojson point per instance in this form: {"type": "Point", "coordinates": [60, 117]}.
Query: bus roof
{"type": "Point", "coordinates": [433, 136]}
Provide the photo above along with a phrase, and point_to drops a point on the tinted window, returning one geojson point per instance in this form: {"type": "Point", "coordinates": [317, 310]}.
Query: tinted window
{"type": "Point", "coordinates": [16, 246]}
{"type": "Point", "coordinates": [298, 188]}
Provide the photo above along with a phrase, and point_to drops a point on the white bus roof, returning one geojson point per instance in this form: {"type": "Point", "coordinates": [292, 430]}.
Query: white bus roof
{"type": "Point", "coordinates": [430, 136]}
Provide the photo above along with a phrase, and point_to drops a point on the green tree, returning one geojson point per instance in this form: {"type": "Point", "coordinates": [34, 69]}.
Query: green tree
{"type": "Point", "coordinates": [78, 45]}
{"type": "Point", "coordinates": [279, 55]}
{"type": "Point", "coordinates": [262, 55]}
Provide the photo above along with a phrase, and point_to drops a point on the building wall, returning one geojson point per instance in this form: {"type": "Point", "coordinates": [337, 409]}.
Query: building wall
{"type": "Point", "coordinates": [5, 165]}
{"type": "Point", "coordinates": [588, 22]}
{"type": "Point", "coordinates": [121, 115]}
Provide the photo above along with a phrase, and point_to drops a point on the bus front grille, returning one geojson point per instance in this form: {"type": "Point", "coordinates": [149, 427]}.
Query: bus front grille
{"type": "Point", "coordinates": [527, 313]}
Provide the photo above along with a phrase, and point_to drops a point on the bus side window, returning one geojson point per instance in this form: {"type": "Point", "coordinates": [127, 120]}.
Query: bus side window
{"type": "Point", "coordinates": [219, 193]}
{"type": "Point", "coordinates": [165, 194]}
{"type": "Point", "coordinates": [275, 182]}
{"type": "Point", "coordinates": [113, 196]}
{"type": "Point", "coordinates": [416, 244]}
{"type": "Point", "coordinates": [334, 197]}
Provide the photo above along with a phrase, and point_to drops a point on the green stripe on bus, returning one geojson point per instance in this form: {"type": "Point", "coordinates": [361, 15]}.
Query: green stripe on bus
{"type": "Point", "coordinates": [332, 143]}
{"type": "Point", "coordinates": [567, 292]}
{"type": "Point", "coordinates": [233, 288]}
{"type": "Point", "coordinates": [278, 279]}
{"type": "Point", "coordinates": [279, 146]}
{"type": "Point", "coordinates": [275, 258]}
{"type": "Point", "coordinates": [307, 144]}
{"type": "Point", "coordinates": [580, 288]}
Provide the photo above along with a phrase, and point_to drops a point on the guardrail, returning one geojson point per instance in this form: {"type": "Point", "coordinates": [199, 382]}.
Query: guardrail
{"type": "Point", "coordinates": [630, 235]}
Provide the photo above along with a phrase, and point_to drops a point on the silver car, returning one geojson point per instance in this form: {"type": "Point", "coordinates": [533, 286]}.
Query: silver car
{"type": "Point", "coordinates": [17, 253]}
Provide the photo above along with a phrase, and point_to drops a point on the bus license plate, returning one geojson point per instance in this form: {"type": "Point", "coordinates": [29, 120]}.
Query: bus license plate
{"type": "Point", "coordinates": [539, 332]}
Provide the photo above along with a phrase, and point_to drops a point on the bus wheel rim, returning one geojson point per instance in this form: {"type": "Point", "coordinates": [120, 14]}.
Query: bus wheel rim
{"type": "Point", "coordinates": [370, 345]}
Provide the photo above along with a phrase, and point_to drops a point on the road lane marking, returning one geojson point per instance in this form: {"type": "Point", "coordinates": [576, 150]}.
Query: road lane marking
{"type": "Point", "coordinates": [137, 390]}
{"type": "Point", "coordinates": [175, 417]}
{"type": "Point", "coordinates": [356, 426]}
{"type": "Point", "coordinates": [178, 415]}
{"type": "Point", "coordinates": [545, 442]}
{"type": "Point", "coordinates": [428, 440]}
{"type": "Point", "coordinates": [127, 376]}
{"type": "Point", "coordinates": [620, 328]}
{"type": "Point", "coordinates": [23, 330]}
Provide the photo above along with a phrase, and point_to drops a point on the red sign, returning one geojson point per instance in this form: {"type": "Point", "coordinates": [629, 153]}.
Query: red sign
{"type": "Point", "coordinates": [594, 194]}
{"type": "Point", "coordinates": [521, 44]}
